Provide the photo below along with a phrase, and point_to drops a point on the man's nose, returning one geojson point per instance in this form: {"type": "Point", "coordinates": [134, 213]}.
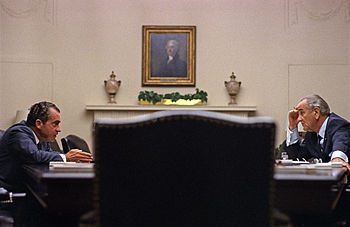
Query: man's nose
{"type": "Point", "coordinates": [58, 129]}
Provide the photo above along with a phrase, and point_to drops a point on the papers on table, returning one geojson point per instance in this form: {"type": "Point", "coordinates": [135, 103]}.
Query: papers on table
{"type": "Point", "coordinates": [71, 167]}
{"type": "Point", "coordinates": [289, 166]}
{"type": "Point", "coordinates": [289, 162]}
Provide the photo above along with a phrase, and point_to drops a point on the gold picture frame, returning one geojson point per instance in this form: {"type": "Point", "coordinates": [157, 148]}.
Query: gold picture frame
{"type": "Point", "coordinates": [168, 55]}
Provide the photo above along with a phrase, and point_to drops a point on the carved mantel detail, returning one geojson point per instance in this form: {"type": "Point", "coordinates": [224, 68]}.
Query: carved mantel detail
{"type": "Point", "coordinates": [316, 10]}
{"type": "Point", "coordinates": [28, 8]}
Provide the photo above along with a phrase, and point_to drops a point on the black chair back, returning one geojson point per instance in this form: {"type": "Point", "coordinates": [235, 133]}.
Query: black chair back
{"type": "Point", "coordinates": [184, 168]}
{"type": "Point", "coordinates": [74, 142]}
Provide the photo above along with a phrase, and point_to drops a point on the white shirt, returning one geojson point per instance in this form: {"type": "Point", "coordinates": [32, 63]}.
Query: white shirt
{"type": "Point", "coordinates": [293, 137]}
{"type": "Point", "coordinates": [170, 59]}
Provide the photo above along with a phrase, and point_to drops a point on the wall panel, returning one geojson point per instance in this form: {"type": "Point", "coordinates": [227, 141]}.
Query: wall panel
{"type": "Point", "coordinates": [23, 83]}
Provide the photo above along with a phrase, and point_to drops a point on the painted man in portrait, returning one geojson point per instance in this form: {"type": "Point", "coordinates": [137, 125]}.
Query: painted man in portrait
{"type": "Point", "coordinates": [172, 65]}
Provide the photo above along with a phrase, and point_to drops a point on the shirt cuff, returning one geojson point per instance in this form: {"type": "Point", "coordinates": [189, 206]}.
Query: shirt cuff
{"type": "Point", "coordinates": [292, 136]}
{"type": "Point", "coordinates": [339, 154]}
{"type": "Point", "coordinates": [63, 157]}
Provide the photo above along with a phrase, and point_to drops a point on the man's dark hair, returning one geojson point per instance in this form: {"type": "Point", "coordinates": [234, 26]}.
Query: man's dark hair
{"type": "Point", "coordinates": [40, 110]}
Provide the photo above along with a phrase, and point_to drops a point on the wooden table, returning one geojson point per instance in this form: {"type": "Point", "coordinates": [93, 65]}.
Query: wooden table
{"type": "Point", "coordinates": [310, 195]}
{"type": "Point", "coordinates": [296, 194]}
{"type": "Point", "coordinates": [62, 193]}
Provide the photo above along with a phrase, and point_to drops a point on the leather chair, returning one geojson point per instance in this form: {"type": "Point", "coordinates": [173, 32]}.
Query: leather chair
{"type": "Point", "coordinates": [184, 168]}
{"type": "Point", "coordinates": [10, 207]}
{"type": "Point", "coordinates": [9, 203]}
{"type": "Point", "coordinates": [74, 142]}
{"type": "Point", "coordinates": [6, 216]}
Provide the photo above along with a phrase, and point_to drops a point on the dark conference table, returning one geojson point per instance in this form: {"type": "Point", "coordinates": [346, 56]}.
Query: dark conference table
{"type": "Point", "coordinates": [296, 193]}
{"type": "Point", "coordinates": [65, 193]}
{"type": "Point", "coordinates": [310, 196]}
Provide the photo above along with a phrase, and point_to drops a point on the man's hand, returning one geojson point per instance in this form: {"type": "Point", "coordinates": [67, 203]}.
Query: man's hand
{"type": "Point", "coordinates": [76, 155]}
{"type": "Point", "coordinates": [293, 119]}
{"type": "Point", "coordinates": [345, 164]}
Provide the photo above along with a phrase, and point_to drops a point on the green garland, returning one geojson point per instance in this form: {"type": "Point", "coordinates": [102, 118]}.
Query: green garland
{"type": "Point", "coordinates": [154, 97]}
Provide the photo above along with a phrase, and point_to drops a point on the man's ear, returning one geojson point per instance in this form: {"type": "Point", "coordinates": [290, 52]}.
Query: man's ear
{"type": "Point", "coordinates": [38, 123]}
{"type": "Point", "coordinates": [317, 112]}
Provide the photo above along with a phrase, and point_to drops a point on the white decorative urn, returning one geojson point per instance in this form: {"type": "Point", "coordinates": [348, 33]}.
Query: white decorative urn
{"type": "Point", "coordinates": [233, 88]}
{"type": "Point", "coordinates": [112, 86]}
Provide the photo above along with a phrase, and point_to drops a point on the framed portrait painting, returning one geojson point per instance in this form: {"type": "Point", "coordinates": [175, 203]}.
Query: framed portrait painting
{"type": "Point", "coordinates": [168, 55]}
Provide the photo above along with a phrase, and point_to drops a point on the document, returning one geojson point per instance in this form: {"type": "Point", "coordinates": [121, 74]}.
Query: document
{"type": "Point", "coordinates": [71, 167]}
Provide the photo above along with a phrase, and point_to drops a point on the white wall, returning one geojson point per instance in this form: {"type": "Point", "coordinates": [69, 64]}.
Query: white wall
{"type": "Point", "coordinates": [62, 51]}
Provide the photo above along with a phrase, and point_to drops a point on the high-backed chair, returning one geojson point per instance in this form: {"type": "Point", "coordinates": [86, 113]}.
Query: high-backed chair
{"type": "Point", "coordinates": [9, 203]}
{"type": "Point", "coordinates": [184, 168]}
{"type": "Point", "coordinates": [10, 207]}
{"type": "Point", "coordinates": [74, 142]}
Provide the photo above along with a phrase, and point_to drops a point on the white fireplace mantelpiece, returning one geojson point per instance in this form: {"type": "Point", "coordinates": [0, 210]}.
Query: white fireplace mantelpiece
{"type": "Point", "coordinates": [124, 111]}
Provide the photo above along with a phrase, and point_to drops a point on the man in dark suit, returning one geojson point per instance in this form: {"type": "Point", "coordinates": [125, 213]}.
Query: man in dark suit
{"type": "Point", "coordinates": [327, 135]}
{"type": "Point", "coordinates": [28, 143]}
{"type": "Point", "coordinates": [172, 66]}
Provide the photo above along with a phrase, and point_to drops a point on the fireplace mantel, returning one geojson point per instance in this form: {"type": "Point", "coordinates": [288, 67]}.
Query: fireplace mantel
{"type": "Point", "coordinates": [124, 111]}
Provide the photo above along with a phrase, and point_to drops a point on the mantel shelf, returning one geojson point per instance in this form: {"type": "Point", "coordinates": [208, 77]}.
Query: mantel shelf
{"type": "Point", "coordinates": [116, 107]}
{"type": "Point", "coordinates": [125, 111]}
